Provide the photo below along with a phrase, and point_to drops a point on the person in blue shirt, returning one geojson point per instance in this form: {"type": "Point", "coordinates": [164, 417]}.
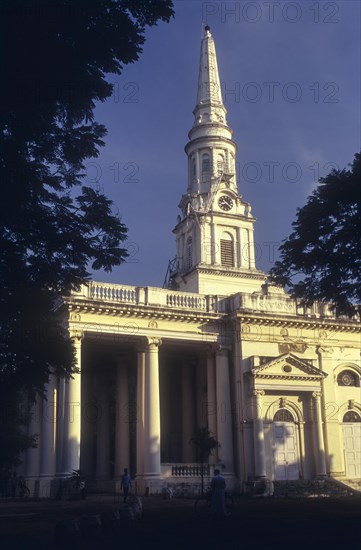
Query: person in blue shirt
{"type": "Point", "coordinates": [125, 484]}
{"type": "Point", "coordinates": [218, 502]}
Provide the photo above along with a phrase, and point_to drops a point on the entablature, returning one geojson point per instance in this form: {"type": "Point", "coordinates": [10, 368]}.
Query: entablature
{"type": "Point", "coordinates": [297, 321]}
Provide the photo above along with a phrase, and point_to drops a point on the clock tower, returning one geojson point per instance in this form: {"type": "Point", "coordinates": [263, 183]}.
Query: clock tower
{"type": "Point", "coordinates": [214, 233]}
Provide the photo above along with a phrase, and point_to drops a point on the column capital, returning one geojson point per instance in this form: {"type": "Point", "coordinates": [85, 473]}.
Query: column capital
{"type": "Point", "coordinates": [219, 349]}
{"type": "Point", "coordinates": [77, 335]}
{"type": "Point", "coordinates": [317, 395]}
{"type": "Point", "coordinates": [154, 343]}
{"type": "Point", "coordinates": [257, 393]}
{"type": "Point", "coordinates": [322, 350]}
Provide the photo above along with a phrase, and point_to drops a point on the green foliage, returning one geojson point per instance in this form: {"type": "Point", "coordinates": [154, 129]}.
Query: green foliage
{"type": "Point", "coordinates": [205, 443]}
{"type": "Point", "coordinates": [321, 259]}
{"type": "Point", "coordinates": [53, 64]}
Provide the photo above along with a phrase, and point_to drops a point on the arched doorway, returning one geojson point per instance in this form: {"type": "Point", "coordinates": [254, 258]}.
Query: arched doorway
{"type": "Point", "coordinates": [285, 446]}
{"type": "Point", "coordinates": [351, 428]}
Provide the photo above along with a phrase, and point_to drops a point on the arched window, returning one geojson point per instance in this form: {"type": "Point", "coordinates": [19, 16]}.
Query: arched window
{"type": "Point", "coordinates": [283, 415]}
{"type": "Point", "coordinates": [194, 167]}
{"type": "Point", "coordinates": [351, 416]}
{"type": "Point", "coordinates": [227, 250]}
{"type": "Point", "coordinates": [347, 378]}
{"type": "Point", "coordinates": [206, 164]}
{"type": "Point", "coordinates": [189, 253]}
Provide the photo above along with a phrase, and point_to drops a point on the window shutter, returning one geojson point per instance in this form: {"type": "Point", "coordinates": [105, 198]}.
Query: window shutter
{"type": "Point", "coordinates": [227, 256]}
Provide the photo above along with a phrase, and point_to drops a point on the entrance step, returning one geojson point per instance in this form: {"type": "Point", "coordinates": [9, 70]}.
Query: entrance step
{"type": "Point", "coordinates": [312, 488]}
{"type": "Point", "coordinates": [354, 484]}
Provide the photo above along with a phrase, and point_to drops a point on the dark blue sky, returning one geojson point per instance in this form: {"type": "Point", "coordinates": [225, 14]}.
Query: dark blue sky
{"type": "Point", "coordinates": [290, 74]}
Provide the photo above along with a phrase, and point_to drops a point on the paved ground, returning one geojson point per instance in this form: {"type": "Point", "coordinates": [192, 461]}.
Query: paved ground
{"type": "Point", "coordinates": [255, 524]}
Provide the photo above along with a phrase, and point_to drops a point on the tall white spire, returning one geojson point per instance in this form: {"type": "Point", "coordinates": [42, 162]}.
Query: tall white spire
{"type": "Point", "coordinates": [214, 233]}
{"type": "Point", "coordinates": [209, 109]}
{"type": "Point", "coordinates": [209, 86]}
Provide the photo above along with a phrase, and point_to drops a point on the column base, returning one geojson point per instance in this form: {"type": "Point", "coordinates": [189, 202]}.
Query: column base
{"type": "Point", "coordinates": [33, 485]}
{"type": "Point", "coordinates": [48, 487]}
{"type": "Point", "coordinates": [148, 485]}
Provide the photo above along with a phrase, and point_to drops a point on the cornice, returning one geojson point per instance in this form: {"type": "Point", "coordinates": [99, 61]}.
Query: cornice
{"type": "Point", "coordinates": [303, 378]}
{"type": "Point", "coordinates": [280, 320]}
{"type": "Point", "coordinates": [210, 137]}
{"type": "Point", "coordinates": [210, 270]}
{"type": "Point", "coordinates": [97, 307]}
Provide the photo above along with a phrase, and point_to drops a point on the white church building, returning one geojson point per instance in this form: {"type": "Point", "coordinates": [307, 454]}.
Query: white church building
{"type": "Point", "coordinates": [277, 384]}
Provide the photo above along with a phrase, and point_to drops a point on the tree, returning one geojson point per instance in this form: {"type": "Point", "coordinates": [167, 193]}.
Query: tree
{"type": "Point", "coordinates": [325, 245]}
{"type": "Point", "coordinates": [53, 65]}
{"type": "Point", "coordinates": [205, 444]}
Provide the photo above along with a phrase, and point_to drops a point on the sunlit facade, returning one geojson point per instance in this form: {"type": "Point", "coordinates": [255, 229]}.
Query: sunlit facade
{"type": "Point", "coordinates": [277, 384]}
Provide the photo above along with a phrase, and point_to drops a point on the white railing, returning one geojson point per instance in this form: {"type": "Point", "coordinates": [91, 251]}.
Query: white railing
{"type": "Point", "coordinates": [275, 303]}
{"type": "Point", "coordinates": [187, 301]}
{"type": "Point", "coordinates": [182, 470]}
{"type": "Point", "coordinates": [112, 293]}
{"type": "Point", "coordinates": [149, 296]}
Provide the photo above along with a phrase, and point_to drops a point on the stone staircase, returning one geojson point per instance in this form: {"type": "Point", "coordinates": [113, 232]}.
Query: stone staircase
{"type": "Point", "coordinates": [314, 488]}
{"type": "Point", "coordinates": [353, 484]}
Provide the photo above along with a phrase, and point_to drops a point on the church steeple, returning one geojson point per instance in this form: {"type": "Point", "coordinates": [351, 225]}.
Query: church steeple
{"type": "Point", "coordinates": [211, 150]}
{"type": "Point", "coordinates": [215, 249]}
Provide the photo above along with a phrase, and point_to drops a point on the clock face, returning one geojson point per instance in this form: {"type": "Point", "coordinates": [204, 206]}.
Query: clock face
{"type": "Point", "coordinates": [225, 203]}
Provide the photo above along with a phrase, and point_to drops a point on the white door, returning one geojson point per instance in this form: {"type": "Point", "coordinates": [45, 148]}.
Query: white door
{"type": "Point", "coordinates": [352, 448]}
{"type": "Point", "coordinates": [285, 451]}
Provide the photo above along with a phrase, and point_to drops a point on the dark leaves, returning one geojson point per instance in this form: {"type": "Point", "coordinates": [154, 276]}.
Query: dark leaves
{"type": "Point", "coordinates": [325, 245]}
{"type": "Point", "coordinates": [54, 58]}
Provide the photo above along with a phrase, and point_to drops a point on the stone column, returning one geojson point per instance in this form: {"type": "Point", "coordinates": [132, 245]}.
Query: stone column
{"type": "Point", "coordinates": [252, 259]}
{"type": "Point", "coordinates": [33, 454]}
{"type": "Point", "coordinates": [239, 248]}
{"type": "Point", "coordinates": [210, 408]}
{"type": "Point", "coordinates": [224, 410]}
{"type": "Point", "coordinates": [103, 433]}
{"type": "Point", "coordinates": [140, 411]}
{"type": "Point", "coordinates": [214, 245]}
{"type": "Point", "coordinates": [89, 420]}
{"type": "Point", "coordinates": [60, 426]}
{"type": "Point", "coordinates": [121, 422]}
{"type": "Point", "coordinates": [48, 430]}
{"type": "Point", "coordinates": [318, 433]}
{"type": "Point", "coordinates": [188, 413]}
{"type": "Point", "coordinates": [198, 169]}
{"type": "Point", "coordinates": [72, 416]}
{"type": "Point", "coordinates": [152, 409]}
{"type": "Point", "coordinates": [258, 435]}
{"type": "Point", "coordinates": [201, 393]}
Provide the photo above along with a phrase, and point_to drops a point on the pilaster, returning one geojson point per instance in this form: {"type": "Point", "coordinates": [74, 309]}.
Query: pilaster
{"type": "Point", "coordinates": [258, 434]}
{"type": "Point", "coordinates": [318, 436]}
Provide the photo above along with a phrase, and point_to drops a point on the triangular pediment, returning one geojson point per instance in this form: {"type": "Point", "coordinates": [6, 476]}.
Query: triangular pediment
{"type": "Point", "coordinates": [287, 366]}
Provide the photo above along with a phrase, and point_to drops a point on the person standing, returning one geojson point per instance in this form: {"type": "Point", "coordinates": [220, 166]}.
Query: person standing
{"type": "Point", "coordinates": [218, 502]}
{"type": "Point", "coordinates": [125, 484]}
